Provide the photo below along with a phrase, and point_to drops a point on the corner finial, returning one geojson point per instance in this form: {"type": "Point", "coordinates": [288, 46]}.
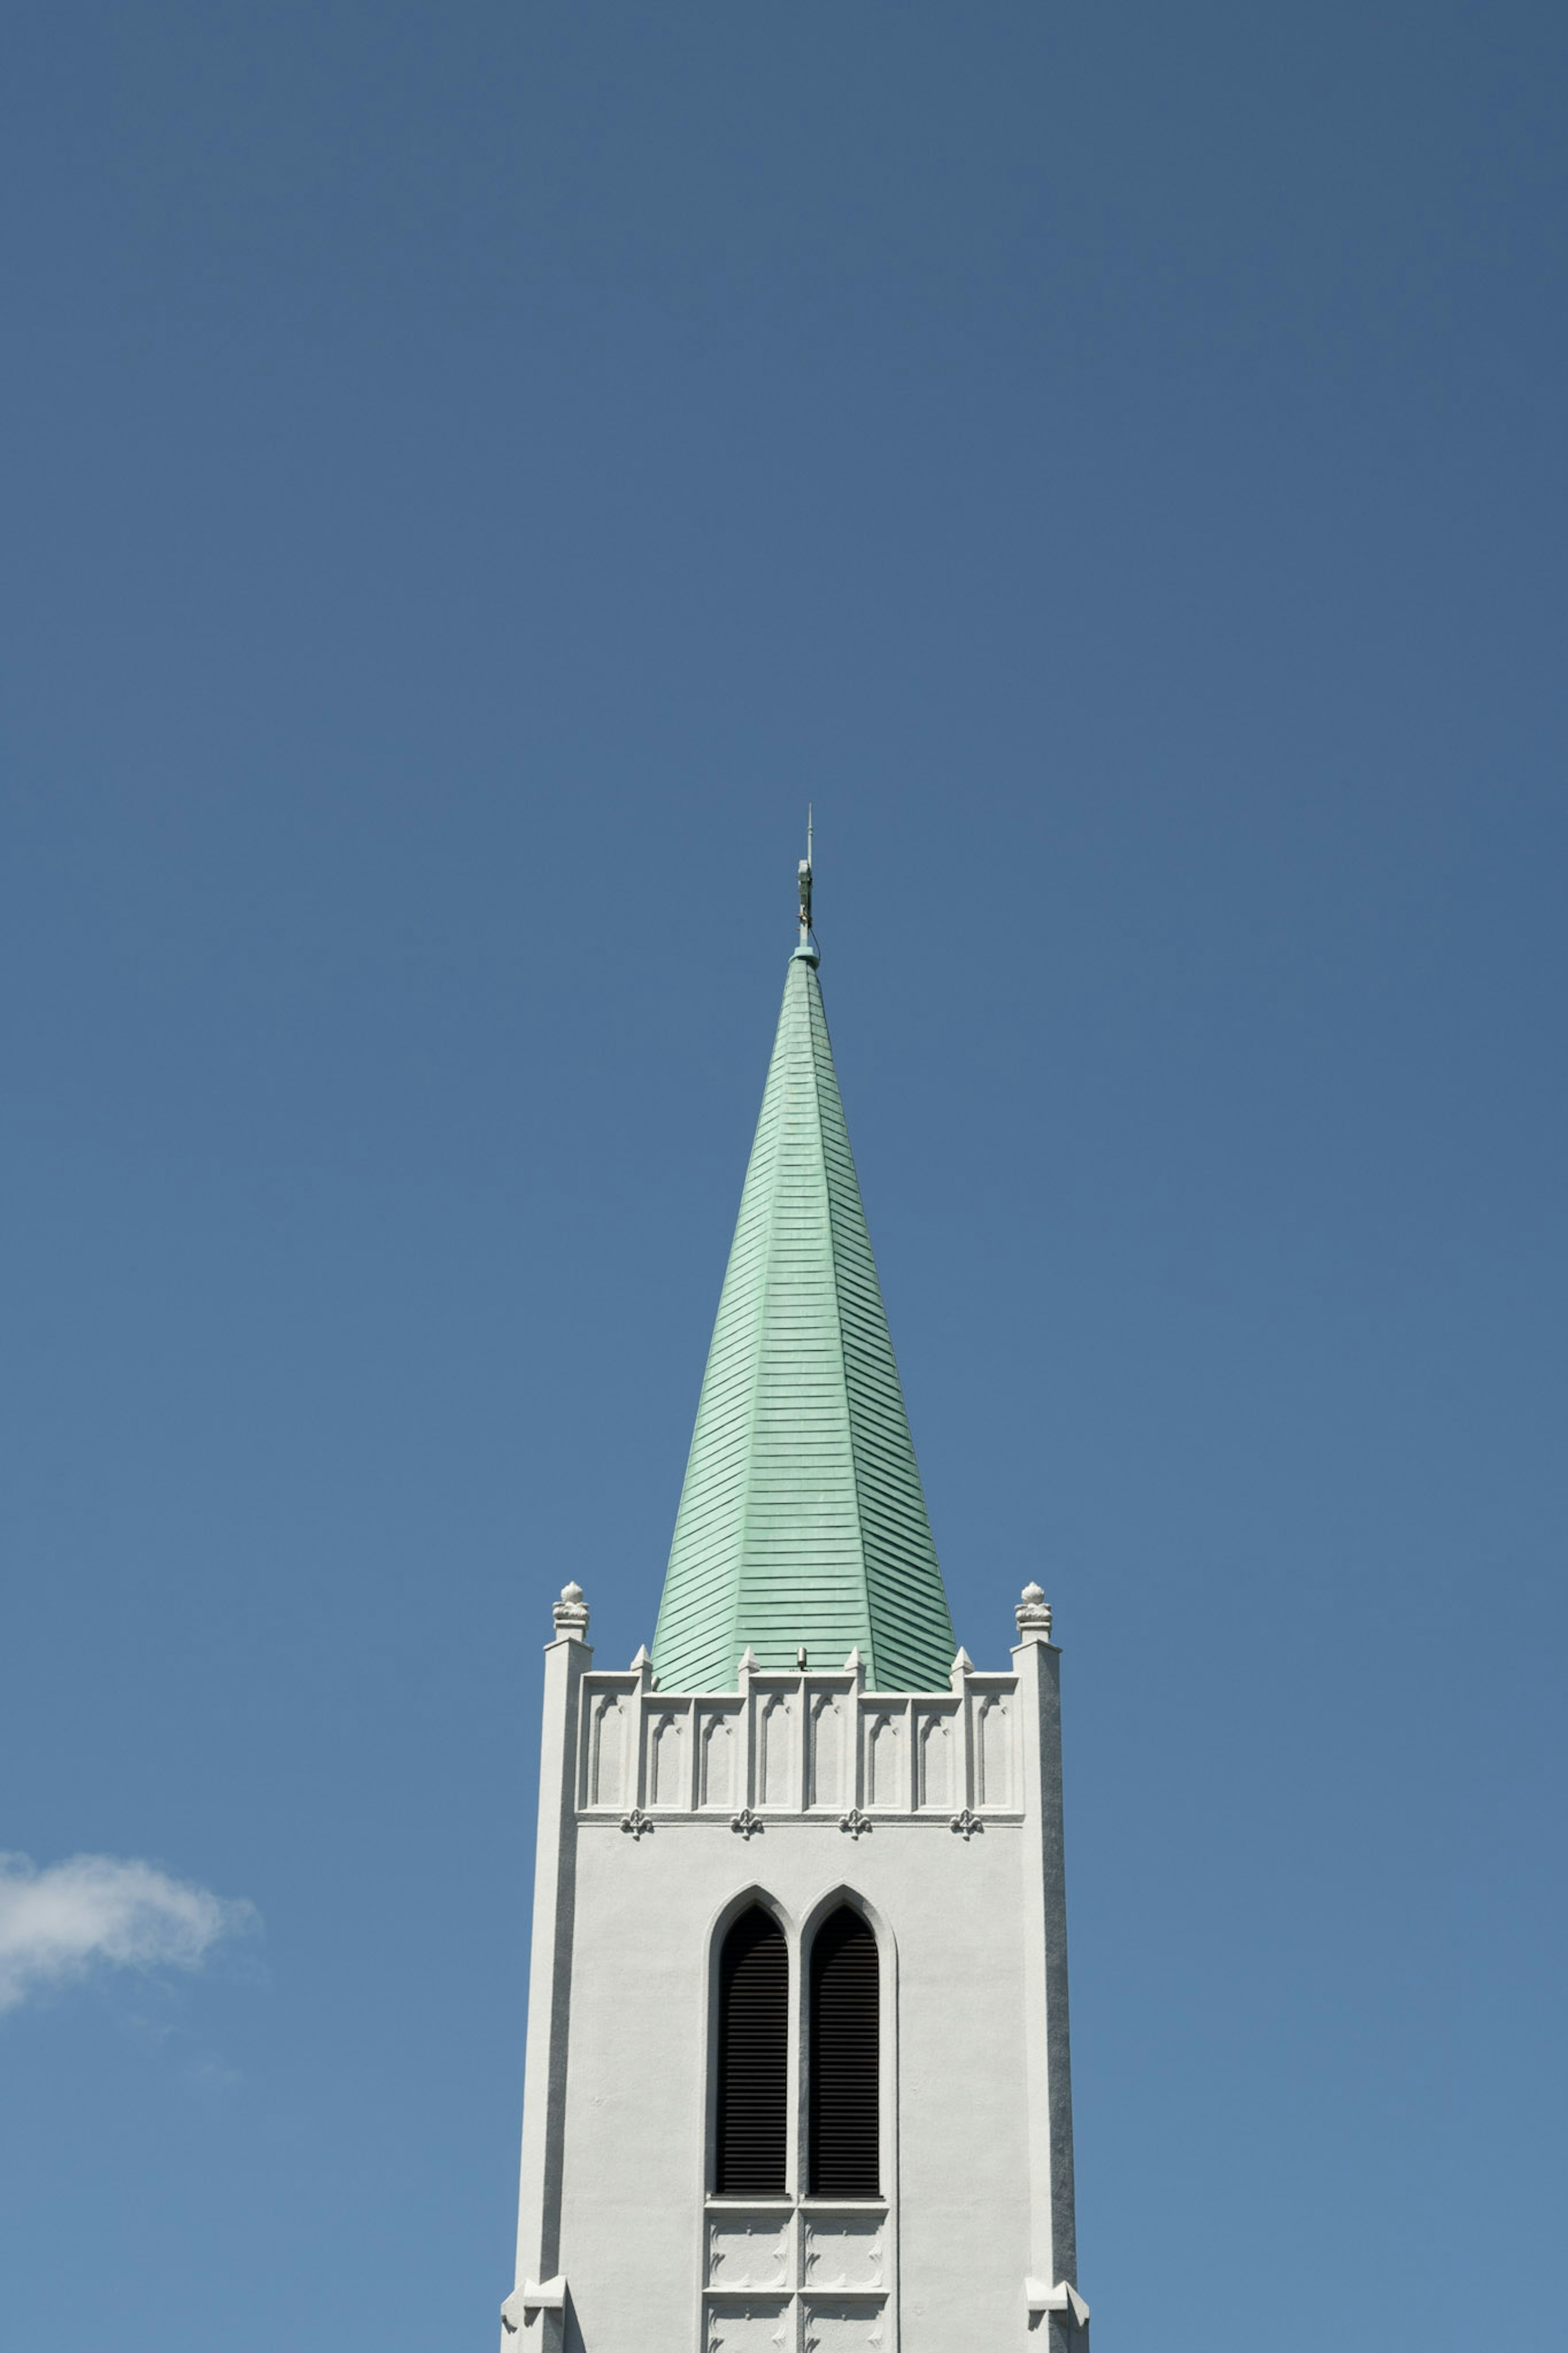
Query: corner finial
{"type": "Point", "coordinates": [571, 1615]}
{"type": "Point", "coordinates": [808, 947]}
{"type": "Point", "coordinates": [1033, 1615]}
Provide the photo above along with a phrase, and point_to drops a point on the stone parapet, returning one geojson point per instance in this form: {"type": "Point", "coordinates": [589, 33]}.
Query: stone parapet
{"type": "Point", "coordinates": [813, 1745]}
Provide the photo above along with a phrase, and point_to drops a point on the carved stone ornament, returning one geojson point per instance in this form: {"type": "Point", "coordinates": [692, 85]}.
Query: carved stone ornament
{"type": "Point", "coordinates": [719, 2325]}
{"type": "Point", "coordinates": [637, 1822]}
{"type": "Point", "coordinates": [524, 2305]}
{"type": "Point", "coordinates": [1063, 2299]}
{"type": "Point", "coordinates": [746, 1822]}
{"type": "Point", "coordinates": [966, 1824]}
{"type": "Point", "coordinates": [855, 1821]}
{"type": "Point", "coordinates": [570, 1613]}
{"type": "Point", "coordinates": [1033, 1613]}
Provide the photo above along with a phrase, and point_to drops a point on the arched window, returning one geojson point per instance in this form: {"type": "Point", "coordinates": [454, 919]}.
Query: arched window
{"type": "Point", "coordinates": [753, 2059]}
{"type": "Point", "coordinates": [844, 2059]}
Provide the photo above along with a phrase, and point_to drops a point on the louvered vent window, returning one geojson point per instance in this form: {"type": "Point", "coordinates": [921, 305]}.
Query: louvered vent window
{"type": "Point", "coordinates": [753, 2059]}
{"type": "Point", "coordinates": [844, 2059]}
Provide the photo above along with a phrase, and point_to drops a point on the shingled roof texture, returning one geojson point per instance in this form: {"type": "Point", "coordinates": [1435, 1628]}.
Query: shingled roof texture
{"type": "Point", "coordinates": [802, 1520]}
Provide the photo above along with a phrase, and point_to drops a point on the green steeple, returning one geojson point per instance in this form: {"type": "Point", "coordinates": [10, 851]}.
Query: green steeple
{"type": "Point", "coordinates": [802, 1519]}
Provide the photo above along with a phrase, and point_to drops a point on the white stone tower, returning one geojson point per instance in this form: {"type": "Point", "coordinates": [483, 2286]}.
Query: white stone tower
{"type": "Point", "coordinates": [797, 2070]}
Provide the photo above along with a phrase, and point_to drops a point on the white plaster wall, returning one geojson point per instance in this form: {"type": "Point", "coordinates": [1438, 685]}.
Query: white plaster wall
{"type": "Point", "coordinates": [965, 2152]}
{"type": "Point", "coordinates": [635, 2099]}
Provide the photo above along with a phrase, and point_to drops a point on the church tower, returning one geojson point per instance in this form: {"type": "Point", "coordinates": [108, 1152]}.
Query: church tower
{"type": "Point", "coordinates": [797, 2070]}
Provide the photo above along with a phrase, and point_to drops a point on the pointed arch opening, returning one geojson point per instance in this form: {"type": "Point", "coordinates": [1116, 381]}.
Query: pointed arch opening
{"type": "Point", "coordinates": [845, 2069]}
{"type": "Point", "coordinates": [752, 2132]}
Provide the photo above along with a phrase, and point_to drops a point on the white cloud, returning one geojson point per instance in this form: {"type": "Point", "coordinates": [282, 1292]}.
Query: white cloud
{"type": "Point", "coordinates": [58, 1924]}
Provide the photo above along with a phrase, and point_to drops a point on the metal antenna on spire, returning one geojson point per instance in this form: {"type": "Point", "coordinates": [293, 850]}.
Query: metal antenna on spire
{"type": "Point", "coordinates": [804, 879]}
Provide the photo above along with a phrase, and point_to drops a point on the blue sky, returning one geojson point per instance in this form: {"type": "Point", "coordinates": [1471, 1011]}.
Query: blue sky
{"type": "Point", "coordinates": [471, 475]}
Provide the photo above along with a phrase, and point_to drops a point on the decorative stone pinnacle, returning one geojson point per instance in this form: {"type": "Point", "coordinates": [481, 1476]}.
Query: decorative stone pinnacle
{"type": "Point", "coordinates": [750, 1662]}
{"type": "Point", "coordinates": [1034, 1613]}
{"type": "Point", "coordinates": [571, 1614]}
